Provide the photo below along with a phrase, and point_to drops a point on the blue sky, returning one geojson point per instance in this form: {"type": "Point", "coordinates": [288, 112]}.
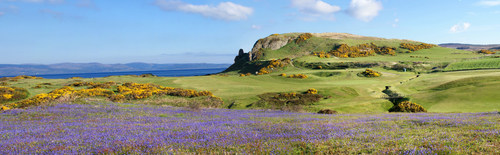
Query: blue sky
{"type": "Point", "coordinates": [187, 31]}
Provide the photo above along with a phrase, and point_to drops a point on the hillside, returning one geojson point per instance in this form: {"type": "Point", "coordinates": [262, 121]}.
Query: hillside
{"type": "Point", "coordinates": [290, 45]}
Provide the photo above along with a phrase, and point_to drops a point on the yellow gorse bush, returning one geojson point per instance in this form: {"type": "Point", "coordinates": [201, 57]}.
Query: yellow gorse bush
{"type": "Point", "coordinates": [312, 91]}
{"type": "Point", "coordinates": [370, 73]}
{"type": "Point", "coordinates": [3, 108]}
{"type": "Point", "coordinates": [8, 94]}
{"type": "Point", "coordinates": [362, 50]}
{"type": "Point", "coordinates": [299, 76]}
{"type": "Point", "coordinates": [126, 91]}
{"type": "Point", "coordinates": [415, 47]}
{"type": "Point", "coordinates": [272, 65]}
{"type": "Point", "coordinates": [303, 37]}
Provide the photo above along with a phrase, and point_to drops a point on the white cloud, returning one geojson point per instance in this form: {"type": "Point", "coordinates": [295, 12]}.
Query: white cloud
{"type": "Point", "coordinates": [460, 27]}
{"type": "Point", "coordinates": [256, 27]}
{"type": "Point", "coordinates": [365, 10]}
{"type": "Point", "coordinates": [489, 2]}
{"type": "Point", "coordinates": [224, 10]}
{"type": "Point", "coordinates": [316, 7]}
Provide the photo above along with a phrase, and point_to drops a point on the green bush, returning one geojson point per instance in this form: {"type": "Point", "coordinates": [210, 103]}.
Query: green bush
{"type": "Point", "coordinates": [327, 111]}
{"type": "Point", "coordinates": [287, 100]}
{"type": "Point", "coordinates": [394, 97]}
{"type": "Point", "coordinates": [402, 67]}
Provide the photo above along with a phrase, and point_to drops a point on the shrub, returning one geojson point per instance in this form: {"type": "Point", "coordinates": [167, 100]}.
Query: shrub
{"type": "Point", "coordinates": [4, 84]}
{"type": "Point", "coordinates": [362, 50]}
{"type": "Point", "coordinates": [402, 67]}
{"type": "Point", "coordinates": [281, 100]}
{"type": "Point", "coordinates": [407, 106]}
{"type": "Point", "coordinates": [4, 108]}
{"type": "Point", "coordinates": [41, 85]}
{"type": "Point", "coordinates": [394, 97]}
{"type": "Point", "coordinates": [303, 37]}
{"type": "Point", "coordinates": [312, 91]}
{"type": "Point", "coordinates": [272, 65]}
{"type": "Point", "coordinates": [300, 76]}
{"type": "Point", "coordinates": [8, 94]}
{"type": "Point", "coordinates": [25, 77]}
{"type": "Point", "coordinates": [242, 75]}
{"type": "Point", "coordinates": [80, 84]}
{"type": "Point", "coordinates": [127, 91]}
{"type": "Point", "coordinates": [386, 51]}
{"type": "Point", "coordinates": [322, 54]}
{"type": "Point", "coordinates": [283, 74]}
{"type": "Point", "coordinates": [148, 75]}
{"type": "Point", "coordinates": [105, 85]}
{"type": "Point", "coordinates": [370, 73]}
{"type": "Point", "coordinates": [117, 97]}
{"type": "Point", "coordinates": [327, 111]}
{"type": "Point", "coordinates": [483, 51]}
{"type": "Point", "coordinates": [415, 47]}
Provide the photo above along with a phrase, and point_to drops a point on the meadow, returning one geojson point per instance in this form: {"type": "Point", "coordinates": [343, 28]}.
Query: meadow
{"type": "Point", "coordinates": [110, 128]}
{"type": "Point", "coordinates": [269, 105]}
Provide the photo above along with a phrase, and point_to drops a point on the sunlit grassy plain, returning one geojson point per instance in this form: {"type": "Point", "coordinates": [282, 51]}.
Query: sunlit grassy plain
{"type": "Point", "coordinates": [349, 92]}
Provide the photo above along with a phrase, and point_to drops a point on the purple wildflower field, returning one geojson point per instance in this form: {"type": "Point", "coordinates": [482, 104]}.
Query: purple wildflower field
{"type": "Point", "coordinates": [144, 129]}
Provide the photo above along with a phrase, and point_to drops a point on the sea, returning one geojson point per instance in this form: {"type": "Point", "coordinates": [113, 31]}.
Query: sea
{"type": "Point", "coordinates": [161, 73]}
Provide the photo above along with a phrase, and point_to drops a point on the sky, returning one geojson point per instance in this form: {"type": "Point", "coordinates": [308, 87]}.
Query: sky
{"type": "Point", "coordinates": [212, 31]}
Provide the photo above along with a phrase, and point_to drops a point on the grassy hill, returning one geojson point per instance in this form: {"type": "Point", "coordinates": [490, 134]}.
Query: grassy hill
{"type": "Point", "coordinates": [431, 79]}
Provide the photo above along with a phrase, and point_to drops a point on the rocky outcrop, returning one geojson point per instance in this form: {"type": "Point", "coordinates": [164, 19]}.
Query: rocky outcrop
{"type": "Point", "coordinates": [273, 42]}
{"type": "Point", "coordinates": [241, 55]}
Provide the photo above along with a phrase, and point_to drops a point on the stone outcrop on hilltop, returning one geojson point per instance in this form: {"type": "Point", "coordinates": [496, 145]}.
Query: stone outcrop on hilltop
{"type": "Point", "coordinates": [272, 42]}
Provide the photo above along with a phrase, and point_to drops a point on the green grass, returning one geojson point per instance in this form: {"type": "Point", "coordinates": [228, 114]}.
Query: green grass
{"type": "Point", "coordinates": [464, 91]}
{"type": "Point", "coordinates": [486, 63]}
{"type": "Point", "coordinates": [349, 93]}
{"type": "Point", "coordinates": [437, 92]}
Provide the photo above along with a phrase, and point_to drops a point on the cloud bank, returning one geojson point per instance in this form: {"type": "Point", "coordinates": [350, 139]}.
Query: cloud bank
{"type": "Point", "coordinates": [316, 7]}
{"type": "Point", "coordinates": [364, 10]}
{"type": "Point", "coordinates": [224, 11]}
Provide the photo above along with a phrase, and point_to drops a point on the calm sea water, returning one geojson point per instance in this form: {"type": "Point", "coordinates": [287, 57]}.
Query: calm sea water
{"type": "Point", "coordinates": [166, 73]}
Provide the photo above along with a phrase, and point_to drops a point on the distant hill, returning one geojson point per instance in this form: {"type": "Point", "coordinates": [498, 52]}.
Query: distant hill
{"type": "Point", "coordinates": [470, 47]}
{"type": "Point", "coordinates": [65, 68]}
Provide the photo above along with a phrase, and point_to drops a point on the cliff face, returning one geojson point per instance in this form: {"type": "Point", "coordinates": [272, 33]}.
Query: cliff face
{"type": "Point", "coordinates": [272, 42]}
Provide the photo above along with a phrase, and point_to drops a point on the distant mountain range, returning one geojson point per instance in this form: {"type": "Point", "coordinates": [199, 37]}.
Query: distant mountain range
{"type": "Point", "coordinates": [471, 47]}
{"type": "Point", "coordinates": [67, 68]}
